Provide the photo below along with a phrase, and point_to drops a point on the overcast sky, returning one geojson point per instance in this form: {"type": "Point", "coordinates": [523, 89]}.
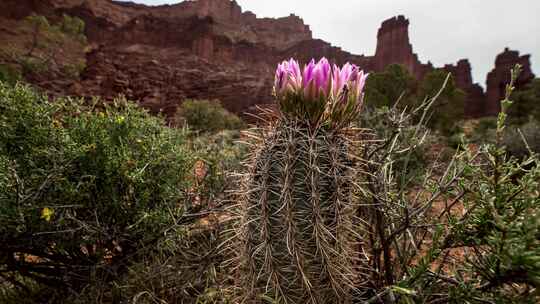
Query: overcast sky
{"type": "Point", "coordinates": [440, 30]}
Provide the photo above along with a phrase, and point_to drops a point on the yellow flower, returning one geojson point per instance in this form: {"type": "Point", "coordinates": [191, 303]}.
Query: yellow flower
{"type": "Point", "coordinates": [57, 124]}
{"type": "Point", "coordinates": [47, 213]}
{"type": "Point", "coordinates": [120, 119]}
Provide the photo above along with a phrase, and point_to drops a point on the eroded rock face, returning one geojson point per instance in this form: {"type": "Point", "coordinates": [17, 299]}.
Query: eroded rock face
{"type": "Point", "coordinates": [393, 46]}
{"type": "Point", "coordinates": [211, 49]}
{"type": "Point", "coordinates": [160, 81]}
{"type": "Point", "coordinates": [475, 100]}
{"type": "Point", "coordinates": [500, 76]}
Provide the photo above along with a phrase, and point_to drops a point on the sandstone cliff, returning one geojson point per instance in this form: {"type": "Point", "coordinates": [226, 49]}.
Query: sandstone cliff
{"type": "Point", "coordinates": [500, 76]}
{"type": "Point", "coordinates": [212, 49]}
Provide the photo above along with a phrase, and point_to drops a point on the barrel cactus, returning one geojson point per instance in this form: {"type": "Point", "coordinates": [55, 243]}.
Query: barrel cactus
{"type": "Point", "coordinates": [296, 238]}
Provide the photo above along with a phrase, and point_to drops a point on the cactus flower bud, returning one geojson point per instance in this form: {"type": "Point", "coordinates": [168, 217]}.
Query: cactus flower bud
{"type": "Point", "coordinates": [288, 77]}
{"type": "Point", "coordinates": [319, 88]}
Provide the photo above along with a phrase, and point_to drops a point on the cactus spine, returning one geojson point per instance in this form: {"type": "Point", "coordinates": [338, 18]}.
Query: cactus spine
{"type": "Point", "coordinates": [297, 216]}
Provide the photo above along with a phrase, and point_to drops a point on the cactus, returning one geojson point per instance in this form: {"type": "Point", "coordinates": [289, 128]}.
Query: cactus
{"type": "Point", "coordinates": [296, 233]}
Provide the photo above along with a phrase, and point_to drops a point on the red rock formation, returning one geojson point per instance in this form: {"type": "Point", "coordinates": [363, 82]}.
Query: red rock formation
{"type": "Point", "coordinates": [393, 46]}
{"type": "Point", "coordinates": [211, 49]}
{"type": "Point", "coordinates": [474, 104]}
{"type": "Point", "coordinates": [160, 81]}
{"type": "Point", "coordinates": [280, 33]}
{"type": "Point", "coordinates": [500, 76]}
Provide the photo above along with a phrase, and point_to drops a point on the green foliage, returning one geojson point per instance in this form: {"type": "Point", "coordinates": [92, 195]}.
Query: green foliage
{"type": "Point", "coordinates": [396, 85]}
{"type": "Point", "coordinates": [387, 87]}
{"type": "Point", "coordinates": [484, 131]}
{"type": "Point", "coordinates": [395, 203]}
{"type": "Point", "coordinates": [295, 237]}
{"type": "Point", "coordinates": [220, 156]}
{"type": "Point", "coordinates": [84, 189]}
{"type": "Point", "coordinates": [43, 46]}
{"type": "Point", "coordinates": [386, 123]}
{"type": "Point", "coordinates": [526, 104]}
{"type": "Point", "coordinates": [182, 267]}
{"type": "Point", "coordinates": [33, 65]}
{"type": "Point", "coordinates": [207, 116]}
{"type": "Point", "coordinates": [38, 22]}
{"type": "Point", "coordinates": [74, 27]}
{"type": "Point", "coordinates": [448, 110]}
{"type": "Point", "coordinates": [467, 234]}
{"type": "Point", "coordinates": [521, 141]}
{"type": "Point", "coordinates": [74, 70]}
{"type": "Point", "coordinates": [9, 74]}
{"type": "Point", "coordinates": [503, 220]}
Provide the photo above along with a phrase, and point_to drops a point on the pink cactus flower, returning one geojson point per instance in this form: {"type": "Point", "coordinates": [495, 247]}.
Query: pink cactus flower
{"type": "Point", "coordinates": [319, 88]}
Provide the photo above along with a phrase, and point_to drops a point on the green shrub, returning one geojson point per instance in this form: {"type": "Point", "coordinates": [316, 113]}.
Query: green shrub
{"type": "Point", "coordinates": [410, 138]}
{"type": "Point", "coordinates": [207, 116]}
{"type": "Point", "coordinates": [485, 128]}
{"type": "Point", "coordinates": [38, 21]}
{"type": "Point", "coordinates": [182, 267]}
{"type": "Point", "coordinates": [84, 189]}
{"type": "Point", "coordinates": [9, 74]}
{"type": "Point", "coordinates": [518, 140]}
{"type": "Point", "coordinates": [74, 71]}
{"type": "Point", "coordinates": [387, 87]}
{"type": "Point", "coordinates": [73, 26]}
{"type": "Point", "coordinates": [396, 86]}
{"type": "Point", "coordinates": [32, 65]}
{"type": "Point", "coordinates": [449, 106]}
{"type": "Point", "coordinates": [526, 104]}
{"type": "Point", "coordinates": [466, 234]}
{"type": "Point", "coordinates": [221, 155]}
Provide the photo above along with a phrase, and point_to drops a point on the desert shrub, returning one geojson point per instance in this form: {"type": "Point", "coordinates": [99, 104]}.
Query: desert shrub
{"type": "Point", "coordinates": [184, 266]}
{"type": "Point", "coordinates": [448, 108]}
{"type": "Point", "coordinates": [526, 104]}
{"type": "Point", "coordinates": [158, 272]}
{"type": "Point", "coordinates": [219, 156]}
{"type": "Point", "coordinates": [84, 189]}
{"type": "Point", "coordinates": [186, 263]}
{"type": "Point", "coordinates": [33, 65]}
{"type": "Point", "coordinates": [38, 26]}
{"type": "Point", "coordinates": [466, 234]}
{"type": "Point", "coordinates": [387, 87]}
{"type": "Point", "coordinates": [41, 51]}
{"type": "Point", "coordinates": [74, 70]}
{"type": "Point", "coordinates": [484, 131]}
{"type": "Point", "coordinates": [521, 141]}
{"type": "Point", "coordinates": [9, 74]}
{"type": "Point", "coordinates": [386, 123]}
{"type": "Point", "coordinates": [38, 21]}
{"type": "Point", "coordinates": [396, 87]}
{"type": "Point", "coordinates": [73, 26]}
{"type": "Point", "coordinates": [207, 116]}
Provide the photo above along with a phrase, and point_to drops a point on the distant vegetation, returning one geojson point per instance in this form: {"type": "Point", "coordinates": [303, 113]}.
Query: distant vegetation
{"type": "Point", "coordinates": [9, 74]}
{"type": "Point", "coordinates": [44, 47]}
{"type": "Point", "coordinates": [395, 85]}
{"type": "Point", "coordinates": [206, 116]}
{"type": "Point", "coordinates": [526, 106]}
